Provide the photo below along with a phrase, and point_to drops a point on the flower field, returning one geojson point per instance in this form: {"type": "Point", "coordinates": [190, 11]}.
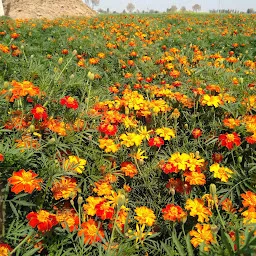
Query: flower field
{"type": "Point", "coordinates": [128, 135]}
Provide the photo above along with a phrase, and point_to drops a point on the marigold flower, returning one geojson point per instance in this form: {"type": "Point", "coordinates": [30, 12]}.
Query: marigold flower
{"type": "Point", "coordinates": [65, 188]}
{"type": "Point", "coordinates": [231, 122]}
{"type": "Point", "coordinates": [25, 181]}
{"type": "Point", "coordinates": [249, 216]}
{"type": "Point", "coordinates": [68, 218]}
{"type": "Point", "coordinates": [227, 206]}
{"type": "Point", "coordinates": [69, 102]}
{"type": "Point", "coordinates": [74, 163]}
{"type": "Point", "coordinates": [197, 208]}
{"type": "Point", "coordinates": [1, 157]}
{"type": "Point", "coordinates": [173, 212]}
{"type": "Point", "coordinates": [249, 199]}
{"type": "Point", "coordinates": [203, 234]}
{"type": "Point", "coordinates": [43, 220]}
{"type": "Point", "coordinates": [39, 112]}
{"type": "Point", "coordinates": [210, 100]}
{"type": "Point", "coordinates": [139, 155]}
{"type": "Point", "coordinates": [145, 216]}
{"type": "Point", "coordinates": [129, 169]}
{"type": "Point", "coordinates": [90, 207]}
{"type": "Point", "coordinates": [178, 185]}
{"type": "Point", "coordinates": [104, 210]}
{"type": "Point", "coordinates": [91, 231]}
{"type": "Point", "coordinates": [108, 145]}
{"type": "Point", "coordinates": [131, 139]}
{"type": "Point", "coordinates": [222, 173]}
{"type": "Point", "coordinates": [195, 178]}
{"type": "Point", "coordinates": [156, 141]}
{"type": "Point", "coordinates": [229, 140]}
{"type": "Point", "coordinates": [166, 133]}
{"type": "Point", "coordinates": [102, 188]}
{"type": "Point", "coordinates": [196, 133]}
{"type": "Point", "coordinates": [108, 129]}
{"type": "Point", "coordinates": [217, 157]}
{"type": "Point", "coordinates": [5, 249]}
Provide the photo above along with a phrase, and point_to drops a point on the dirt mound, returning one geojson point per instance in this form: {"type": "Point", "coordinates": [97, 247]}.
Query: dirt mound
{"type": "Point", "coordinates": [50, 9]}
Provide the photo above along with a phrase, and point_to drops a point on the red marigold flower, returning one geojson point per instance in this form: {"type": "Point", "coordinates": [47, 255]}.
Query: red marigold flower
{"type": "Point", "coordinates": [39, 112]}
{"type": "Point", "coordinates": [251, 139]}
{"type": "Point", "coordinates": [108, 129]}
{"type": "Point", "coordinates": [43, 220]}
{"type": "Point", "coordinates": [5, 249]}
{"type": "Point", "coordinates": [104, 210]}
{"type": "Point", "coordinates": [156, 141]}
{"type": "Point", "coordinates": [178, 185]}
{"type": "Point", "coordinates": [24, 181]}
{"type": "Point", "coordinates": [1, 157]}
{"type": "Point", "coordinates": [91, 231]}
{"type": "Point", "coordinates": [229, 140]}
{"type": "Point", "coordinates": [217, 157]}
{"type": "Point", "coordinates": [169, 168]}
{"type": "Point", "coordinates": [196, 133]}
{"type": "Point", "coordinates": [173, 212]}
{"type": "Point", "coordinates": [69, 102]}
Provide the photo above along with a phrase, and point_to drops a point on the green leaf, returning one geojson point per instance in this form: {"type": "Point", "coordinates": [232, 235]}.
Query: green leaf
{"type": "Point", "coordinates": [31, 252]}
{"type": "Point", "coordinates": [189, 246]}
{"type": "Point", "coordinates": [178, 244]}
{"type": "Point", "coordinates": [13, 209]}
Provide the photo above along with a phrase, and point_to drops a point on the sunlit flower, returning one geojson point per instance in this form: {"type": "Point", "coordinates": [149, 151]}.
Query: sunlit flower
{"type": "Point", "coordinates": [203, 234]}
{"type": "Point", "coordinates": [74, 163]}
{"type": "Point", "coordinates": [104, 210]}
{"type": "Point", "coordinates": [197, 133]}
{"type": "Point", "coordinates": [222, 173]}
{"type": "Point", "coordinates": [39, 112]}
{"type": "Point", "coordinates": [43, 220]}
{"type": "Point", "coordinates": [69, 102]}
{"type": "Point", "coordinates": [102, 188]}
{"type": "Point", "coordinates": [197, 208]}
{"type": "Point", "coordinates": [145, 216]}
{"type": "Point", "coordinates": [24, 181]}
{"type": "Point", "coordinates": [92, 201]}
{"type": "Point", "coordinates": [5, 249]}
{"type": "Point", "coordinates": [65, 188]}
{"type": "Point", "coordinates": [249, 199]}
{"type": "Point", "coordinates": [156, 141]}
{"type": "Point", "coordinates": [166, 133]}
{"type": "Point", "coordinates": [91, 232]}
{"type": "Point", "coordinates": [108, 145]}
{"type": "Point", "coordinates": [129, 169]}
{"type": "Point", "coordinates": [210, 100]}
{"type": "Point", "coordinates": [68, 218]}
{"type": "Point", "coordinates": [229, 140]}
{"type": "Point", "coordinates": [173, 212]}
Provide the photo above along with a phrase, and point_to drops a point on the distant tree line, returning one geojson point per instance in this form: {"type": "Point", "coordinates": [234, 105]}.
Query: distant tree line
{"type": "Point", "coordinates": [249, 11]}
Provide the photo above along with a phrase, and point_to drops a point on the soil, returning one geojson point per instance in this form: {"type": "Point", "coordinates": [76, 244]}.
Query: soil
{"type": "Point", "coordinates": [50, 9]}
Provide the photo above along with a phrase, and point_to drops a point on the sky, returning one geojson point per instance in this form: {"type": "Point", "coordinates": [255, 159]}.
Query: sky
{"type": "Point", "coordinates": [162, 5]}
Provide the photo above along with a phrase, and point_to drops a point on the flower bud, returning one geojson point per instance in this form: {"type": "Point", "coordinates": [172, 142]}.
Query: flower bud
{"type": "Point", "coordinates": [121, 200]}
{"type": "Point", "coordinates": [213, 190]}
{"type": "Point", "coordinates": [6, 84]}
{"type": "Point", "coordinates": [60, 61]}
{"type": "Point", "coordinates": [51, 140]}
{"type": "Point", "coordinates": [90, 75]}
{"type": "Point", "coordinates": [186, 126]}
{"type": "Point", "coordinates": [80, 200]}
{"type": "Point", "coordinates": [74, 52]}
{"type": "Point", "coordinates": [31, 128]}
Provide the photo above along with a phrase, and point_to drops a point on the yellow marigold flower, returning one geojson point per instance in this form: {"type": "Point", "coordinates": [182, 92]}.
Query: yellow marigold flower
{"type": "Point", "coordinates": [102, 188]}
{"type": "Point", "coordinates": [139, 155]}
{"type": "Point", "coordinates": [249, 216]}
{"type": "Point", "coordinates": [179, 160]}
{"type": "Point", "coordinates": [194, 163]}
{"type": "Point", "coordinates": [75, 163]}
{"type": "Point", "coordinates": [211, 100]}
{"type": "Point", "coordinates": [144, 133]}
{"type": "Point", "coordinates": [108, 145]}
{"type": "Point", "coordinates": [197, 208]}
{"type": "Point", "coordinates": [129, 122]}
{"type": "Point", "coordinates": [166, 133]}
{"type": "Point", "coordinates": [131, 139]}
{"type": "Point", "coordinates": [92, 201]}
{"type": "Point", "coordinates": [139, 233]}
{"type": "Point", "coordinates": [222, 173]}
{"type": "Point", "coordinates": [159, 106]}
{"type": "Point", "coordinates": [145, 216]}
{"type": "Point", "coordinates": [202, 235]}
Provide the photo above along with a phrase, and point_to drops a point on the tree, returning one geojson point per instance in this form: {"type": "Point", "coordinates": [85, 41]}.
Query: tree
{"type": "Point", "coordinates": [95, 3]}
{"type": "Point", "coordinates": [183, 9]}
{"type": "Point", "coordinates": [250, 10]}
{"type": "Point", "coordinates": [172, 9]}
{"type": "Point", "coordinates": [1, 8]}
{"type": "Point", "coordinates": [196, 8]}
{"type": "Point", "coordinates": [130, 7]}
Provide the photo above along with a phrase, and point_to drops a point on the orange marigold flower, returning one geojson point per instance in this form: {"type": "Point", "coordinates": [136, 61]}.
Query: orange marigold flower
{"type": "Point", "coordinates": [197, 208]}
{"type": "Point", "coordinates": [102, 188]}
{"type": "Point", "coordinates": [90, 207]}
{"type": "Point", "coordinates": [249, 216]}
{"type": "Point", "coordinates": [231, 122]}
{"type": "Point", "coordinates": [1, 157]}
{"type": "Point", "coordinates": [173, 212]}
{"type": "Point", "coordinates": [249, 199]}
{"type": "Point", "coordinates": [222, 173]}
{"type": "Point", "coordinates": [43, 220]}
{"type": "Point", "coordinates": [203, 234]}
{"type": "Point", "coordinates": [24, 181]}
{"type": "Point", "coordinates": [195, 178]}
{"type": "Point", "coordinates": [68, 218]}
{"type": "Point", "coordinates": [229, 140]}
{"type": "Point", "coordinates": [5, 249]}
{"type": "Point", "coordinates": [197, 132]}
{"type": "Point", "coordinates": [65, 188]}
{"type": "Point", "coordinates": [39, 112]}
{"type": "Point", "coordinates": [228, 206]}
{"type": "Point", "coordinates": [91, 231]}
{"type": "Point", "coordinates": [251, 139]}
{"type": "Point", "coordinates": [145, 216]}
{"type": "Point", "coordinates": [129, 169]}
{"type": "Point", "coordinates": [69, 102]}
{"type": "Point", "coordinates": [108, 129]}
